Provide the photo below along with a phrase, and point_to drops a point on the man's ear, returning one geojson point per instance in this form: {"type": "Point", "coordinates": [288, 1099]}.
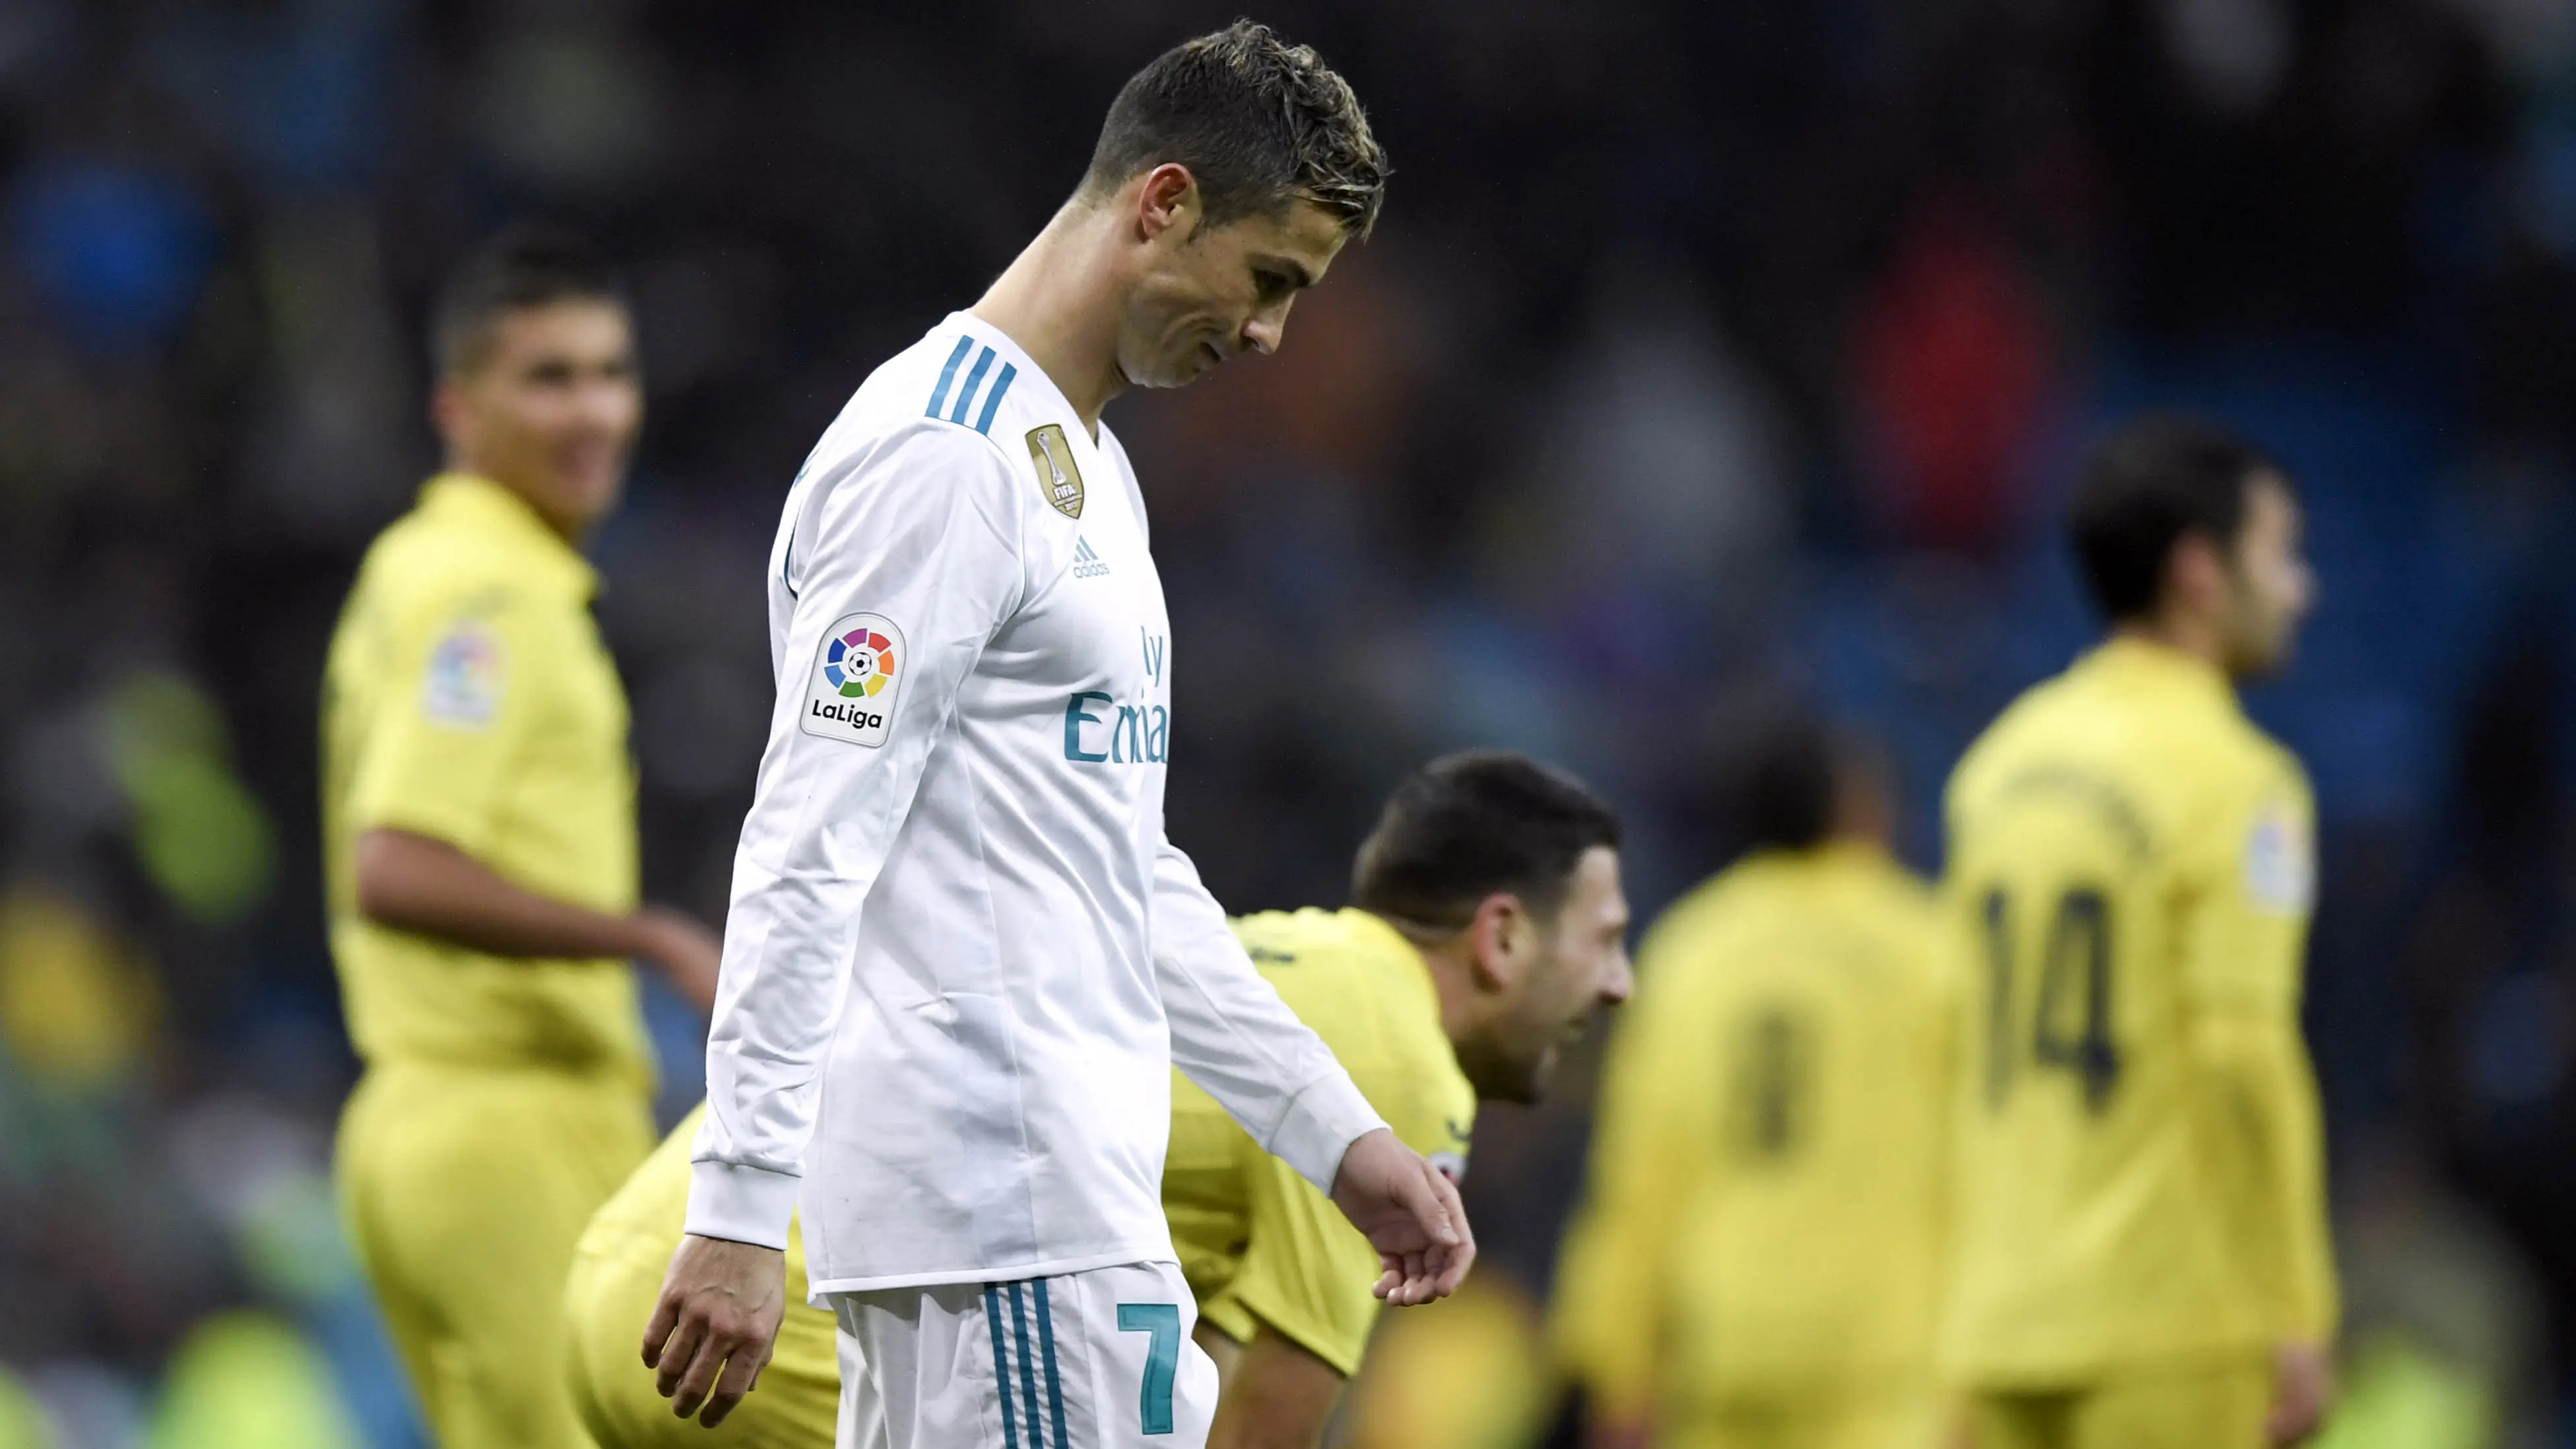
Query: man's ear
{"type": "Point", "coordinates": [447, 409]}
{"type": "Point", "coordinates": [1167, 198]}
{"type": "Point", "coordinates": [2196, 572]}
{"type": "Point", "coordinates": [1498, 939]}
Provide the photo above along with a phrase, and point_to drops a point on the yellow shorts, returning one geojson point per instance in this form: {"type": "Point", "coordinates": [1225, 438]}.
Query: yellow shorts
{"type": "Point", "coordinates": [796, 1405]}
{"type": "Point", "coordinates": [464, 1189]}
{"type": "Point", "coordinates": [2220, 1405]}
{"type": "Point", "coordinates": [1818, 1421]}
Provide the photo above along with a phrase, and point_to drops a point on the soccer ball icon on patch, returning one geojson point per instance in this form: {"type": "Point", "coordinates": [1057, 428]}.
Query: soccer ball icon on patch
{"type": "Point", "coordinates": [859, 663]}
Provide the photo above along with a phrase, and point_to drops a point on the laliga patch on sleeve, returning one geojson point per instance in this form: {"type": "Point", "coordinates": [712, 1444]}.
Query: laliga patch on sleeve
{"type": "Point", "coordinates": [858, 672]}
{"type": "Point", "coordinates": [2280, 863]}
{"type": "Point", "coordinates": [466, 671]}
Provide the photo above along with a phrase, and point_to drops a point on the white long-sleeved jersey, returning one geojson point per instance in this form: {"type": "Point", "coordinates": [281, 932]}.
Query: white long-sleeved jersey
{"type": "Point", "coordinates": [961, 958]}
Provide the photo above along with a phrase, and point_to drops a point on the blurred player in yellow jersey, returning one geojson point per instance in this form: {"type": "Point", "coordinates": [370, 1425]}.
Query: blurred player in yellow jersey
{"type": "Point", "coordinates": [1487, 925]}
{"type": "Point", "coordinates": [479, 829]}
{"type": "Point", "coordinates": [1757, 1260]}
{"type": "Point", "coordinates": [2142, 1255]}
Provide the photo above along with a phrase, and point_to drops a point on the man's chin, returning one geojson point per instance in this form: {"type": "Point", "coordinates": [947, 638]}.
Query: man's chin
{"type": "Point", "coordinates": [584, 501]}
{"type": "Point", "coordinates": [1500, 1078]}
{"type": "Point", "coordinates": [2261, 666]}
{"type": "Point", "coordinates": [1180, 374]}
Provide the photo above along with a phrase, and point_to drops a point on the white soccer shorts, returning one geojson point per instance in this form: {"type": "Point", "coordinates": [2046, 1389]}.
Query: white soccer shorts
{"type": "Point", "coordinates": [1095, 1360]}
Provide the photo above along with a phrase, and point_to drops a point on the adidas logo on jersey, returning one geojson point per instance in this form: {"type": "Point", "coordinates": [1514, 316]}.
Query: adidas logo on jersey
{"type": "Point", "coordinates": [1087, 564]}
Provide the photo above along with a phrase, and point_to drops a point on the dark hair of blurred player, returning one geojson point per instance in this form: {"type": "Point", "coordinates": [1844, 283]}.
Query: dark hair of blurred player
{"type": "Point", "coordinates": [1802, 783]}
{"type": "Point", "coordinates": [1506, 872]}
{"type": "Point", "coordinates": [2191, 535]}
{"type": "Point", "coordinates": [538, 386]}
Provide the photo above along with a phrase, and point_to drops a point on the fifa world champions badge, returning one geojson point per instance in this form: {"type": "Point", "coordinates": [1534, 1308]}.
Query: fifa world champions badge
{"type": "Point", "coordinates": [858, 672]}
{"type": "Point", "coordinates": [1058, 478]}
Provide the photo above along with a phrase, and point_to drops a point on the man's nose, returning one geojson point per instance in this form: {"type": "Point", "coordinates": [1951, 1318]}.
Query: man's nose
{"type": "Point", "coordinates": [1622, 979]}
{"type": "Point", "coordinates": [1268, 327]}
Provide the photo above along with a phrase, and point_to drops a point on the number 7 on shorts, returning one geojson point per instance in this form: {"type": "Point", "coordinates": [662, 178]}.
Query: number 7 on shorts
{"type": "Point", "coordinates": [1162, 1360]}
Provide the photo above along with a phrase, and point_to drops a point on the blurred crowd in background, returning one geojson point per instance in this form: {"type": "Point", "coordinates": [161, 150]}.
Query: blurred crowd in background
{"type": "Point", "coordinates": [1711, 359]}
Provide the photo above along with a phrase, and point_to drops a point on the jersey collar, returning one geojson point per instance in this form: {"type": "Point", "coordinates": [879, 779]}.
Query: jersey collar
{"type": "Point", "coordinates": [1041, 387]}
{"type": "Point", "coordinates": [486, 508]}
{"type": "Point", "coordinates": [1383, 936]}
{"type": "Point", "coordinates": [2163, 666]}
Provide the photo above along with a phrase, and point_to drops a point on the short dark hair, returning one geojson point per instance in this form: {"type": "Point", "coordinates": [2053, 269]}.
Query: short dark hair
{"type": "Point", "coordinates": [1788, 784]}
{"type": "Point", "coordinates": [2145, 488]}
{"type": "Point", "coordinates": [1470, 824]}
{"type": "Point", "coordinates": [1256, 120]}
{"type": "Point", "coordinates": [522, 266]}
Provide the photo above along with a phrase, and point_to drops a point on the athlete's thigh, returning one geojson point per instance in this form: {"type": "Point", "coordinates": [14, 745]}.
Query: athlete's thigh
{"type": "Point", "coordinates": [408, 1318]}
{"type": "Point", "coordinates": [606, 1304]}
{"type": "Point", "coordinates": [1100, 1359]}
{"type": "Point", "coordinates": [2216, 1406]}
{"type": "Point", "coordinates": [476, 1189]}
{"type": "Point", "coordinates": [611, 1389]}
{"type": "Point", "coordinates": [1135, 1376]}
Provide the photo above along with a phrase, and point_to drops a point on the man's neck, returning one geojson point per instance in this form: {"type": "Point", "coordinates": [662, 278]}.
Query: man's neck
{"type": "Point", "coordinates": [569, 531]}
{"type": "Point", "coordinates": [1058, 301]}
{"type": "Point", "coordinates": [1444, 959]}
{"type": "Point", "coordinates": [2191, 638]}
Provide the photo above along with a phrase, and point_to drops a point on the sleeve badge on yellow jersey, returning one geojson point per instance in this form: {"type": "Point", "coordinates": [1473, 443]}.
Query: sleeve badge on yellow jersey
{"type": "Point", "coordinates": [2280, 863]}
{"type": "Point", "coordinates": [858, 671]}
{"type": "Point", "coordinates": [1058, 478]}
{"type": "Point", "coordinates": [466, 671]}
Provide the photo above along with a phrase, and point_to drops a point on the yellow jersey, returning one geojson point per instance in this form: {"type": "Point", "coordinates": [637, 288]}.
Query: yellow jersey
{"type": "Point", "coordinates": [468, 698]}
{"type": "Point", "coordinates": [1763, 1217]}
{"type": "Point", "coordinates": [1257, 1242]}
{"type": "Point", "coordinates": [2140, 1158]}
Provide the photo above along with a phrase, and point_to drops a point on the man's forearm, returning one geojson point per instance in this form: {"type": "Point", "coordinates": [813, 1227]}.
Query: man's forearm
{"type": "Point", "coordinates": [2263, 1071]}
{"type": "Point", "coordinates": [428, 887]}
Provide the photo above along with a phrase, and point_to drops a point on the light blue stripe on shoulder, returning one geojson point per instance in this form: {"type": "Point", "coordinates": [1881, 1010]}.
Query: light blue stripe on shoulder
{"type": "Point", "coordinates": [974, 380]}
{"type": "Point", "coordinates": [993, 399]}
{"type": "Point", "coordinates": [947, 375]}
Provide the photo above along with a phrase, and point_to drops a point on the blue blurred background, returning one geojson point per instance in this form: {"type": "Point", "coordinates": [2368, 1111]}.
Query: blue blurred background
{"type": "Point", "coordinates": [1709, 358]}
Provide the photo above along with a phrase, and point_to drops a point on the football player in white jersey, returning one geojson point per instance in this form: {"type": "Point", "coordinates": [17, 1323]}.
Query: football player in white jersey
{"type": "Point", "coordinates": [961, 959]}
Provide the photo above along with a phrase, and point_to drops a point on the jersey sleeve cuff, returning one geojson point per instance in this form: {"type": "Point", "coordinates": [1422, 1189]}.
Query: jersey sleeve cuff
{"type": "Point", "coordinates": [1320, 1125]}
{"type": "Point", "coordinates": [741, 1203]}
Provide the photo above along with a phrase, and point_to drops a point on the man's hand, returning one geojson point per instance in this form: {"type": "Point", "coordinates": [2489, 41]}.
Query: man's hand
{"type": "Point", "coordinates": [2302, 1389]}
{"type": "Point", "coordinates": [1410, 1213]}
{"type": "Point", "coordinates": [720, 1307]}
{"type": "Point", "coordinates": [687, 952]}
